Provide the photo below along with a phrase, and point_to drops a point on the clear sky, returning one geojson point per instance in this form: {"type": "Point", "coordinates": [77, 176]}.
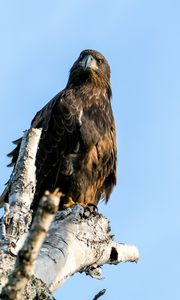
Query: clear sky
{"type": "Point", "coordinates": [141, 40]}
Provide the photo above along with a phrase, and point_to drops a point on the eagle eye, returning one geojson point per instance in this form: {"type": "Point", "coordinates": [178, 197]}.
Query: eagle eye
{"type": "Point", "coordinates": [100, 61]}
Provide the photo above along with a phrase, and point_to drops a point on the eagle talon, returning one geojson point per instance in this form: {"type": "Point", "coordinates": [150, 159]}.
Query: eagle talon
{"type": "Point", "coordinates": [69, 203]}
{"type": "Point", "coordinates": [93, 207]}
{"type": "Point", "coordinates": [81, 204]}
{"type": "Point", "coordinates": [90, 209]}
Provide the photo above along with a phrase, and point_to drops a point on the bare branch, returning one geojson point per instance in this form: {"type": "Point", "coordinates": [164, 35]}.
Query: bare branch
{"type": "Point", "coordinates": [18, 279]}
{"type": "Point", "coordinates": [18, 215]}
{"type": "Point", "coordinates": [101, 293]}
{"type": "Point", "coordinates": [15, 224]}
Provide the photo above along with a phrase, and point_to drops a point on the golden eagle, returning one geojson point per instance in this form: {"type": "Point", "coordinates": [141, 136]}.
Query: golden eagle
{"type": "Point", "coordinates": [77, 150]}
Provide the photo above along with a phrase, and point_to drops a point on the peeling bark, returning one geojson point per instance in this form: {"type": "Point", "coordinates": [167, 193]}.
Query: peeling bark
{"type": "Point", "coordinates": [15, 223]}
{"type": "Point", "coordinates": [18, 279]}
{"type": "Point", "coordinates": [79, 240]}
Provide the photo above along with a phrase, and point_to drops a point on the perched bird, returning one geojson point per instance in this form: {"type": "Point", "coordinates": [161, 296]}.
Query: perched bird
{"type": "Point", "coordinates": [77, 150]}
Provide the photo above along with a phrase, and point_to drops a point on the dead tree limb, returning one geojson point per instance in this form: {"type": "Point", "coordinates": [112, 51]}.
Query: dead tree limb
{"type": "Point", "coordinates": [18, 279]}
{"type": "Point", "coordinates": [16, 221]}
{"type": "Point", "coordinates": [98, 295]}
{"type": "Point", "coordinates": [79, 241]}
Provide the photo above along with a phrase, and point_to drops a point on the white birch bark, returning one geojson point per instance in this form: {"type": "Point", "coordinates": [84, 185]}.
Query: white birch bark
{"type": "Point", "coordinates": [15, 223]}
{"type": "Point", "coordinates": [79, 241]}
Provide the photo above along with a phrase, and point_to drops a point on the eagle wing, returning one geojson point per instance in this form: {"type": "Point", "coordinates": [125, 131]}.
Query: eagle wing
{"type": "Point", "coordinates": [60, 135]}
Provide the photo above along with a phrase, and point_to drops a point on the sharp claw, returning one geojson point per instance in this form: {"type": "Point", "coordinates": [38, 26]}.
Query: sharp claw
{"type": "Point", "coordinates": [94, 206]}
{"type": "Point", "coordinates": [69, 203]}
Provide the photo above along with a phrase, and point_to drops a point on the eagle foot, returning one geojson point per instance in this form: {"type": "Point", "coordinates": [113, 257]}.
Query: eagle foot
{"type": "Point", "coordinates": [69, 203]}
{"type": "Point", "coordinates": [89, 206]}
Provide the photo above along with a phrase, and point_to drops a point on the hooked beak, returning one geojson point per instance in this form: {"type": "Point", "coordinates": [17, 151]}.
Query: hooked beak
{"type": "Point", "coordinates": [88, 62]}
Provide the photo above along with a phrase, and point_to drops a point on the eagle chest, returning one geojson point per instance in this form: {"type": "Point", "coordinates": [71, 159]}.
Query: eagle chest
{"type": "Point", "coordinates": [96, 140]}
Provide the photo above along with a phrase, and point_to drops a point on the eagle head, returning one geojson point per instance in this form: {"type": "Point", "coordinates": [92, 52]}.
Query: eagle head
{"type": "Point", "coordinates": [90, 67]}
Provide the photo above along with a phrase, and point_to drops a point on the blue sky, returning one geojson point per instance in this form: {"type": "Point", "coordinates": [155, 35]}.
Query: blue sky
{"type": "Point", "coordinates": [39, 42]}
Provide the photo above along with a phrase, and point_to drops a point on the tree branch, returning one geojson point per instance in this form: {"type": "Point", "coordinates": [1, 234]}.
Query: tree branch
{"type": "Point", "coordinates": [98, 295]}
{"type": "Point", "coordinates": [79, 240]}
{"type": "Point", "coordinates": [18, 216]}
{"type": "Point", "coordinates": [23, 269]}
{"type": "Point", "coordinates": [16, 221]}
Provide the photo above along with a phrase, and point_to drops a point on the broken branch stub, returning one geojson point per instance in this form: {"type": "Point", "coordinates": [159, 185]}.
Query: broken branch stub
{"type": "Point", "coordinates": [77, 243]}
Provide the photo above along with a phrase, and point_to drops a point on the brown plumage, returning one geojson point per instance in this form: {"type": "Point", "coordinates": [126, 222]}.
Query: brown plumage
{"type": "Point", "coordinates": [77, 149]}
